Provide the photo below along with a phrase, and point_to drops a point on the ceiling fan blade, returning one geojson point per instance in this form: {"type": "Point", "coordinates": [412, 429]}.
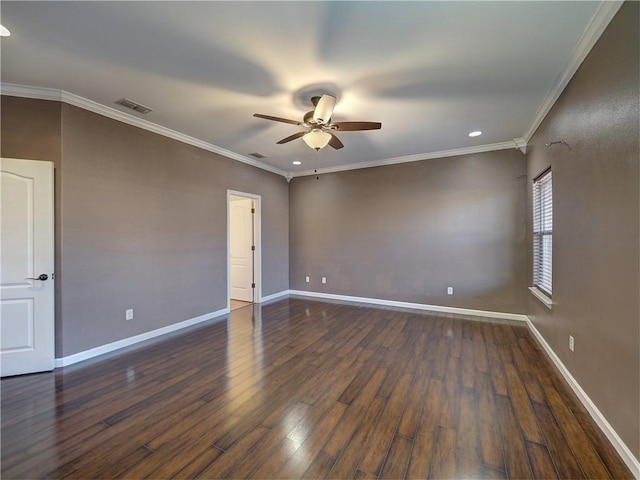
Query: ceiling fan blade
{"type": "Point", "coordinates": [335, 142]}
{"type": "Point", "coordinates": [354, 126]}
{"type": "Point", "coordinates": [277, 119]}
{"type": "Point", "coordinates": [324, 109]}
{"type": "Point", "coordinates": [291, 137]}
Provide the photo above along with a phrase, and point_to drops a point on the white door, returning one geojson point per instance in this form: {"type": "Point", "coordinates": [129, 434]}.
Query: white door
{"type": "Point", "coordinates": [26, 254]}
{"type": "Point", "coordinates": [240, 242]}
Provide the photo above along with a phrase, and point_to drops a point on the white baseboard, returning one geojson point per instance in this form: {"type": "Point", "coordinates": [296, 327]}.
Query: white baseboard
{"type": "Point", "coordinates": [627, 456]}
{"type": "Point", "coordinates": [125, 342]}
{"type": "Point", "coordinates": [110, 347]}
{"type": "Point", "coordinates": [274, 296]}
{"type": "Point", "coordinates": [417, 306]}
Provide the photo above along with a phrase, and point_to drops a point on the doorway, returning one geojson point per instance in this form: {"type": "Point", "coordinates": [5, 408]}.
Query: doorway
{"type": "Point", "coordinates": [243, 249]}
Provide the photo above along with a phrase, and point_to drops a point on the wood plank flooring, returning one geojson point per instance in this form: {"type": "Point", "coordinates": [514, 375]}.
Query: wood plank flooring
{"type": "Point", "coordinates": [236, 304]}
{"type": "Point", "coordinates": [309, 389]}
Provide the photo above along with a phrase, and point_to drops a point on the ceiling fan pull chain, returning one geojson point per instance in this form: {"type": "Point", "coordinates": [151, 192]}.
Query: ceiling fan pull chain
{"type": "Point", "coordinates": [315, 170]}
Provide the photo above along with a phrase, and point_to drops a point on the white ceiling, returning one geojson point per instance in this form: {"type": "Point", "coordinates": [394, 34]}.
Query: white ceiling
{"type": "Point", "coordinates": [431, 72]}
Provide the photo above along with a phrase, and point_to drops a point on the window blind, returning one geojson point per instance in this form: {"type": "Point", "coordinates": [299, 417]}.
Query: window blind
{"type": "Point", "coordinates": [543, 232]}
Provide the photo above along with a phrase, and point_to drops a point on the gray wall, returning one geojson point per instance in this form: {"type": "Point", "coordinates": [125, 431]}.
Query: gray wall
{"type": "Point", "coordinates": [405, 232]}
{"type": "Point", "coordinates": [32, 129]}
{"type": "Point", "coordinates": [596, 225]}
{"type": "Point", "coordinates": [142, 224]}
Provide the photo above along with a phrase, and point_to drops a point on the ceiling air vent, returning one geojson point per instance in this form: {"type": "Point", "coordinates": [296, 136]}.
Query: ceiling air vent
{"type": "Point", "coordinates": [257, 155]}
{"type": "Point", "coordinates": [125, 102]}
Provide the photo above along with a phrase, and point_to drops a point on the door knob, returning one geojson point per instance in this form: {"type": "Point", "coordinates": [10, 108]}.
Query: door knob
{"type": "Point", "coordinates": [42, 276]}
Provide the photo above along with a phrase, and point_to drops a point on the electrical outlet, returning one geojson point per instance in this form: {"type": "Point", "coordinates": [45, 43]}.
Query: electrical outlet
{"type": "Point", "coordinates": [306, 279]}
{"type": "Point", "coordinates": [128, 314]}
{"type": "Point", "coordinates": [571, 343]}
{"type": "Point", "coordinates": [449, 290]}
{"type": "Point", "coordinates": [324, 279]}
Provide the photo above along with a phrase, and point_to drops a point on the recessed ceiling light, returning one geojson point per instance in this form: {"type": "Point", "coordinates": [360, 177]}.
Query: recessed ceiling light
{"type": "Point", "coordinates": [4, 31]}
{"type": "Point", "coordinates": [475, 134]}
{"type": "Point", "coordinates": [297, 162]}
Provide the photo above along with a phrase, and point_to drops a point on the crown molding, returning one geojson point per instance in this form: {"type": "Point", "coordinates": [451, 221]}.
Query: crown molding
{"type": "Point", "coordinates": [86, 104]}
{"type": "Point", "coordinates": [42, 93]}
{"type": "Point", "coordinates": [39, 93]}
{"type": "Point", "coordinates": [516, 144]}
{"type": "Point", "coordinates": [520, 144]}
{"type": "Point", "coordinates": [599, 22]}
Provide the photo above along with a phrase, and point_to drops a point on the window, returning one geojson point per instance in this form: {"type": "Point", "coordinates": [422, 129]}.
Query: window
{"type": "Point", "coordinates": [542, 232]}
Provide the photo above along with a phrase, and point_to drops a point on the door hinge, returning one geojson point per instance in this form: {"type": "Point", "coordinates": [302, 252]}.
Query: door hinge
{"type": "Point", "coordinates": [253, 285]}
{"type": "Point", "coordinates": [253, 210]}
{"type": "Point", "coordinates": [253, 248]}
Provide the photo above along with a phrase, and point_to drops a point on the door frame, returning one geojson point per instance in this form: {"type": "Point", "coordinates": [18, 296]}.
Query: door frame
{"type": "Point", "coordinates": [258, 243]}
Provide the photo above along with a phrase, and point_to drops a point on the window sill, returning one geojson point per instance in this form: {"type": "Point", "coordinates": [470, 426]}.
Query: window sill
{"type": "Point", "coordinates": [541, 296]}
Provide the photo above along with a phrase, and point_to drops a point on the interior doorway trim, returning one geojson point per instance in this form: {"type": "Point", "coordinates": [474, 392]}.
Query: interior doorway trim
{"type": "Point", "coordinates": [258, 243]}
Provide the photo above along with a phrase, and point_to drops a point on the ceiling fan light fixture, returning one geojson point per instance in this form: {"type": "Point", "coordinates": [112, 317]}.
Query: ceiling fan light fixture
{"type": "Point", "coordinates": [316, 138]}
{"type": "Point", "coordinates": [324, 109]}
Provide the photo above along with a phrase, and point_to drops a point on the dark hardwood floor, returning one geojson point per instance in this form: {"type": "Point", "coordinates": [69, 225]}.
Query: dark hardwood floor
{"type": "Point", "coordinates": [309, 389]}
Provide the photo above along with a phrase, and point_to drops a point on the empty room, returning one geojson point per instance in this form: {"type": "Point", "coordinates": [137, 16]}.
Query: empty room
{"type": "Point", "coordinates": [320, 239]}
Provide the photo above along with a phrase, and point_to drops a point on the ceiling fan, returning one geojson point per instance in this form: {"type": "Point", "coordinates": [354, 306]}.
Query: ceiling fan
{"type": "Point", "coordinates": [318, 124]}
